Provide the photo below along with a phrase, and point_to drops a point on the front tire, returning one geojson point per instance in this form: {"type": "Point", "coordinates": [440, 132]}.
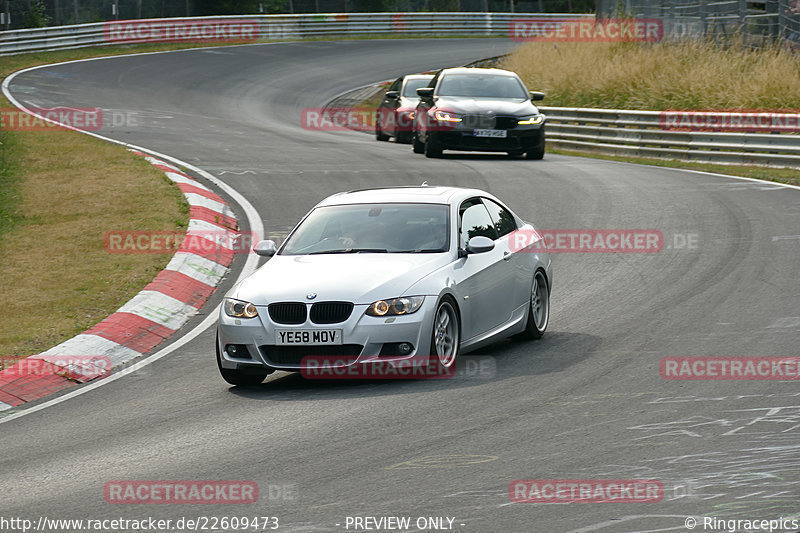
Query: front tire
{"type": "Point", "coordinates": [538, 152]}
{"type": "Point", "coordinates": [237, 377]}
{"type": "Point", "coordinates": [403, 138]}
{"type": "Point", "coordinates": [538, 308]}
{"type": "Point", "coordinates": [416, 145]}
{"type": "Point", "coordinates": [379, 135]}
{"type": "Point", "coordinates": [446, 336]}
{"type": "Point", "coordinates": [432, 148]}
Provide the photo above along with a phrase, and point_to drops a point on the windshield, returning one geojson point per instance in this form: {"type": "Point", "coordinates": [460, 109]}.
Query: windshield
{"type": "Point", "coordinates": [411, 86]}
{"type": "Point", "coordinates": [482, 86]}
{"type": "Point", "coordinates": [372, 228]}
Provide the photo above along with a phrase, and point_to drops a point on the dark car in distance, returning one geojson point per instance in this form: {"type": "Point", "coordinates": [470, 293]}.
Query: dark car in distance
{"type": "Point", "coordinates": [395, 116]}
{"type": "Point", "coordinates": [477, 109]}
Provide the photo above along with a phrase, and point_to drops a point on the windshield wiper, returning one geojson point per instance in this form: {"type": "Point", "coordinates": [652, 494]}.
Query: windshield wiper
{"type": "Point", "coordinates": [351, 251]}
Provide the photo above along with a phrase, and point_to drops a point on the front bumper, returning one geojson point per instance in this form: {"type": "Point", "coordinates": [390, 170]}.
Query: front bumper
{"type": "Point", "coordinates": [364, 338]}
{"type": "Point", "coordinates": [518, 139]}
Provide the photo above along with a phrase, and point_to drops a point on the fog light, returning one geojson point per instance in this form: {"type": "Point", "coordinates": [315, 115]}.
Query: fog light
{"type": "Point", "coordinates": [393, 349]}
{"type": "Point", "coordinates": [237, 350]}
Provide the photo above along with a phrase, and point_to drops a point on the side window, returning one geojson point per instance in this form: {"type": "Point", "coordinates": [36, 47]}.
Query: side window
{"type": "Point", "coordinates": [474, 220]}
{"type": "Point", "coordinates": [396, 85]}
{"type": "Point", "coordinates": [502, 218]}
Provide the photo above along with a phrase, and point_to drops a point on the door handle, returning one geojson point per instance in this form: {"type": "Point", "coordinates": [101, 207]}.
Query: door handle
{"type": "Point", "coordinates": [506, 256]}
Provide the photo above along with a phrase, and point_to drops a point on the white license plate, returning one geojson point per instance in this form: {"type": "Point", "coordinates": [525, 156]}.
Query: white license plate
{"type": "Point", "coordinates": [308, 336]}
{"type": "Point", "coordinates": [491, 133]}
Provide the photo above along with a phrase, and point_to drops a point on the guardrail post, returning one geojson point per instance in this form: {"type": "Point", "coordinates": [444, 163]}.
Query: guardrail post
{"type": "Point", "coordinates": [703, 15]}
{"type": "Point", "coordinates": [743, 20]}
{"type": "Point", "coordinates": [772, 28]}
{"type": "Point", "coordinates": [782, 8]}
{"type": "Point", "coordinates": [7, 16]}
{"type": "Point", "coordinates": [672, 20]}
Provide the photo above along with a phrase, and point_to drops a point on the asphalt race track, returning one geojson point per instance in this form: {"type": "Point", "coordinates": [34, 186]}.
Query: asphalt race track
{"type": "Point", "coordinates": [585, 402]}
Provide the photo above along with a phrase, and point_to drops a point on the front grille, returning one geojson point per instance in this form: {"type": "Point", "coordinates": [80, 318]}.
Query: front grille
{"type": "Point", "coordinates": [505, 123]}
{"type": "Point", "coordinates": [293, 355]}
{"type": "Point", "coordinates": [330, 312]}
{"type": "Point", "coordinates": [488, 122]}
{"type": "Point", "coordinates": [481, 122]}
{"type": "Point", "coordinates": [288, 312]}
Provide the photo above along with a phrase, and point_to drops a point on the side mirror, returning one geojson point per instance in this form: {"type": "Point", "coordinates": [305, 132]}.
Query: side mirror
{"type": "Point", "coordinates": [537, 96]}
{"type": "Point", "coordinates": [266, 248]}
{"type": "Point", "coordinates": [425, 92]}
{"type": "Point", "coordinates": [392, 94]}
{"type": "Point", "coordinates": [480, 244]}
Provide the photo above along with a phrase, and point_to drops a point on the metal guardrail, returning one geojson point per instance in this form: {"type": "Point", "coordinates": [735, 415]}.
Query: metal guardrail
{"type": "Point", "coordinates": [641, 134]}
{"type": "Point", "coordinates": [278, 27]}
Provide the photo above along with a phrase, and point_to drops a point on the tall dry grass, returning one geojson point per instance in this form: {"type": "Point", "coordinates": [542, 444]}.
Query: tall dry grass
{"type": "Point", "coordinates": [686, 75]}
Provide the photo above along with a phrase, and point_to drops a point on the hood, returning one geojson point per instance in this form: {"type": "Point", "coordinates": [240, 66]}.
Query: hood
{"type": "Point", "coordinates": [358, 278]}
{"type": "Point", "coordinates": [481, 106]}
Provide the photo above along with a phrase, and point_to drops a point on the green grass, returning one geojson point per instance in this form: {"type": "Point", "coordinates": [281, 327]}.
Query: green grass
{"type": "Point", "coordinates": [9, 182]}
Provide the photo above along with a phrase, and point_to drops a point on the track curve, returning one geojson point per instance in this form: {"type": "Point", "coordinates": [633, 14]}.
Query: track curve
{"type": "Point", "coordinates": [585, 402]}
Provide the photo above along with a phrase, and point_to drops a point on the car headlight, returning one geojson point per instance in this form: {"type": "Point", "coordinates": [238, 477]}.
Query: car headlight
{"type": "Point", "coordinates": [446, 116]}
{"type": "Point", "coordinates": [396, 306]}
{"type": "Point", "coordinates": [239, 309]}
{"type": "Point", "coordinates": [533, 119]}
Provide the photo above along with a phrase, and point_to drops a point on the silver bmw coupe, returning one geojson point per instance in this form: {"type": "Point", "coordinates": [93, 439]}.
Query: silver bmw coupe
{"type": "Point", "coordinates": [384, 275]}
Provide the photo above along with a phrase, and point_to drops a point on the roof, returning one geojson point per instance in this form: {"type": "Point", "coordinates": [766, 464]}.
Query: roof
{"type": "Point", "coordinates": [473, 70]}
{"type": "Point", "coordinates": [415, 194]}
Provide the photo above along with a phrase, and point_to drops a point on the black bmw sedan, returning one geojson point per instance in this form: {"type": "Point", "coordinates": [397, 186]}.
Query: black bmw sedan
{"type": "Point", "coordinates": [479, 110]}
